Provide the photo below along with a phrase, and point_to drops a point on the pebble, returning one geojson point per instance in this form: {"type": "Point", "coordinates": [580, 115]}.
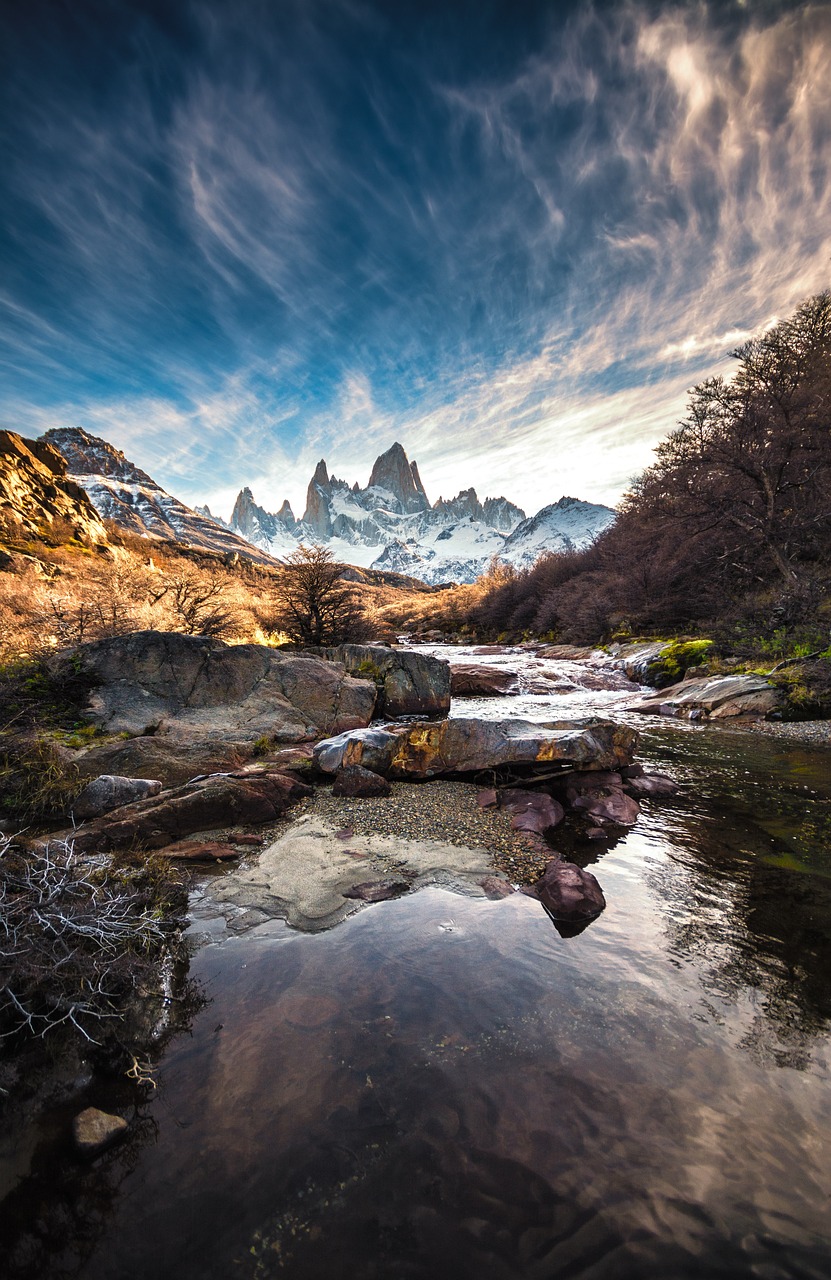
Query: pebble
{"type": "Point", "coordinates": [444, 811]}
{"type": "Point", "coordinates": [814, 732]}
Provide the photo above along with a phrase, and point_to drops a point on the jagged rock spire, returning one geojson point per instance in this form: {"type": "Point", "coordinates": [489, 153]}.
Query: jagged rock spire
{"type": "Point", "coordinates": [392, 471]}
{"type": "Point", "coordinates": [317, 514]}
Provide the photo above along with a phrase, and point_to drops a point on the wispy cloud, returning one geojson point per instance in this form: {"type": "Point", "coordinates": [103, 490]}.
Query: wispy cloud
{"type": "Point", "coordinates": [272, 234]}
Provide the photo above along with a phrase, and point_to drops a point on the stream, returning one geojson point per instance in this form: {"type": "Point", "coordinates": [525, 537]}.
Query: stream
{"type": "Point", "coordinates": [443, 1086]}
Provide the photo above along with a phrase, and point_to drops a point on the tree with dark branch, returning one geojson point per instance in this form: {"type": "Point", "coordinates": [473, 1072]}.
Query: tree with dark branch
{"type": "Point", "coordinates": [314, 604]}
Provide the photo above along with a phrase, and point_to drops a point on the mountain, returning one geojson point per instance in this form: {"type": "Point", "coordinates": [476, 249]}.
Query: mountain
{"type": "Point", "coordinates": [390, 525]}
{"type": "Point", "coordinates": [120, 491]}
{"type": "Point", "coordinates": [566, 525]}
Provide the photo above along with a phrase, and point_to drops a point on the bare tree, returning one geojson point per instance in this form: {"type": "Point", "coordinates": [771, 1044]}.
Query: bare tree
{"type": "Point", "coordinates": [314, 605]}
{"type": "Point", "coordinates": [198, 600]}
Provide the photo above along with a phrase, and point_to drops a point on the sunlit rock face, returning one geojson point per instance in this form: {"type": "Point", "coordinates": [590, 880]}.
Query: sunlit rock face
{"type": "Point", "coordinates": [429, 750]}
{"type": "Point", "coordinates": [389, 525]}
{"type": "Point", "coordinates": [37, 492]}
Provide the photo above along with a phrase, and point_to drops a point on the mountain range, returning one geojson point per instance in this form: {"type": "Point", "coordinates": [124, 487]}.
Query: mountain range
{"type": "Point", "coordinates": [389, 525]}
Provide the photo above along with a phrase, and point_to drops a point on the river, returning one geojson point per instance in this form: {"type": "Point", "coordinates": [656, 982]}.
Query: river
{"type": "Point", "coordinates": [444, 1086]}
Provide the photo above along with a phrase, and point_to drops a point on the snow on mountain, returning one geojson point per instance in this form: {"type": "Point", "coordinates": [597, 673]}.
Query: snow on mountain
{"type": "Point", "coordinates": [566, 525]}
{"type": "Point", "coordinates": [390, 524]}
{"type": "Point", "coordinates": [120, 491]}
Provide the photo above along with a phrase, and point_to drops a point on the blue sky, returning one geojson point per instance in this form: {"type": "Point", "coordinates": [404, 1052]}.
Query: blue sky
{"type": "Point", "coordinates": [237, 237]}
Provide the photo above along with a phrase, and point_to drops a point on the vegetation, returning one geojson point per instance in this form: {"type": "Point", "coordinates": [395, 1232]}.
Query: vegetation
{"type": "Point", "coordinates": [77, 938]}
{"type": "Point", "coordinates": [728, 534]}
{"type": "Point", "coordinates": [314, 604]}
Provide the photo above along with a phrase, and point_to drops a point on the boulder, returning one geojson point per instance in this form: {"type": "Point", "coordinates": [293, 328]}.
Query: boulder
{"type": "Point", "coordinates": [569, 893]}
{"type": "Point", "coordinates": [715, 697]}
{"type": "Point", "coordinates": [217, 801]}
{"type": "Point", "coordinates": [111, 791]}
{"type": "Point", "coordinates": [356, 782]}
{"type": "Point", "coordinates": [600, 796]}
{"type": "Point", "coordinates": [94, 1130]}
{"type": "Point", "coordinates": [531, 810]}
{"type": "Point", "coordinates": [409, 684]}
{"type": "Point", "coordinates": [612, 806]}
{"type": "Point", "coordinates": [428, 750]}
{"type": "Point", "coordinates": [193, 688]}
{"type": "Point", "coordinates": [471, 681]}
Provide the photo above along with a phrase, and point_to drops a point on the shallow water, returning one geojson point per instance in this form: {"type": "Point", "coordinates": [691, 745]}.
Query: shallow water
{"type": "Point", "coordinates": [443, 1086]}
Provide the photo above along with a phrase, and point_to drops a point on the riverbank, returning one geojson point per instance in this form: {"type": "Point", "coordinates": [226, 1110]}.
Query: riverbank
{"type": "Point", "coordinates": [816, 733]}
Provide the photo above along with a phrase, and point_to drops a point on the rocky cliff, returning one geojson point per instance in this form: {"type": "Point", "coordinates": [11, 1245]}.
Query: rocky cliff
{"type": "Point", "coordinates": [37, 495]}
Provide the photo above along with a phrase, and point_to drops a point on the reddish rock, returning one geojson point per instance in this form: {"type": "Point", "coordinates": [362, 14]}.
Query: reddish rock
{"type": "Point", "coordinates": [570, 893]}
{"type": "Point", "coordinates": [199, 850]}
{"type": "Point", "coordinates": [247, 838]}
{"type": "Point", "coordinates": [356, 782]}
{"type": "Point", "coordinates": [487, 799]}
{"type": "Point", "coordinates": [532, 810]}
{"type": "Point", "coordinates": [482, 682]}
{"type": "Point", "coordinates": [377, 890]}
{"type": "Point", "coordinates": [615, 806]}
{"type": "Point", "coordinates": [215, 801]}
{"type": "Point", "coordinates": [496, 888]}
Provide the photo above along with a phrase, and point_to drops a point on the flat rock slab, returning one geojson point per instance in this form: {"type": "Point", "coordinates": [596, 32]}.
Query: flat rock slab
{"type": "Point", "coordinates": [714, 697]}
{"type": "Point", "coordinates": [473, 681]}
{"type": "Point", "coordinates": [174, 763]}
{"type": "Point", "coordinates": [428, 750]}
{"type": "Point", "coordinates": [199, 851]}
{"type": "Point", "coordinates": [305, 875]}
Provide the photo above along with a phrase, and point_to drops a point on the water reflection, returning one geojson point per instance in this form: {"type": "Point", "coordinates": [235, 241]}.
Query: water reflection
{"type": "Point", "coordinates": [444, 1086]}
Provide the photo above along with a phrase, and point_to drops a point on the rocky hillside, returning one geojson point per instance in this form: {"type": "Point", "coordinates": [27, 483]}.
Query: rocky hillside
{"type": "Point", "coordinates": [38, 496]}
{"type": "Point", "coordinates": [391, 525]}
{"type": "Point", "coordinates": [122, 492]}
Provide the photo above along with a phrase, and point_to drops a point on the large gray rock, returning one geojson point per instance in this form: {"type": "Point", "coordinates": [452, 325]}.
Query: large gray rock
{"type": "Point", "coordinates": [109, 791]}
{"type": "Point", "coordinates": [194, 688]}
{"type": "Point", "coordinates": [715, 698]}
{"type": "Point", "coordinates": [409, 684]}
{"type": "Point", "coordinates": [429, 749]}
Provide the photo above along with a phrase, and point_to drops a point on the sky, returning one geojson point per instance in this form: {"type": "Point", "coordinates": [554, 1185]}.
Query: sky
{"type": "Point", "coordinates": [237, 236]}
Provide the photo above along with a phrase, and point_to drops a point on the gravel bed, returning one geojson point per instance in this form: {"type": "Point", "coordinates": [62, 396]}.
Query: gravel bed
{"type": "Point", "coordinates": [445, 811]}
{"type": "Point", "coordinates": [814, 732]}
